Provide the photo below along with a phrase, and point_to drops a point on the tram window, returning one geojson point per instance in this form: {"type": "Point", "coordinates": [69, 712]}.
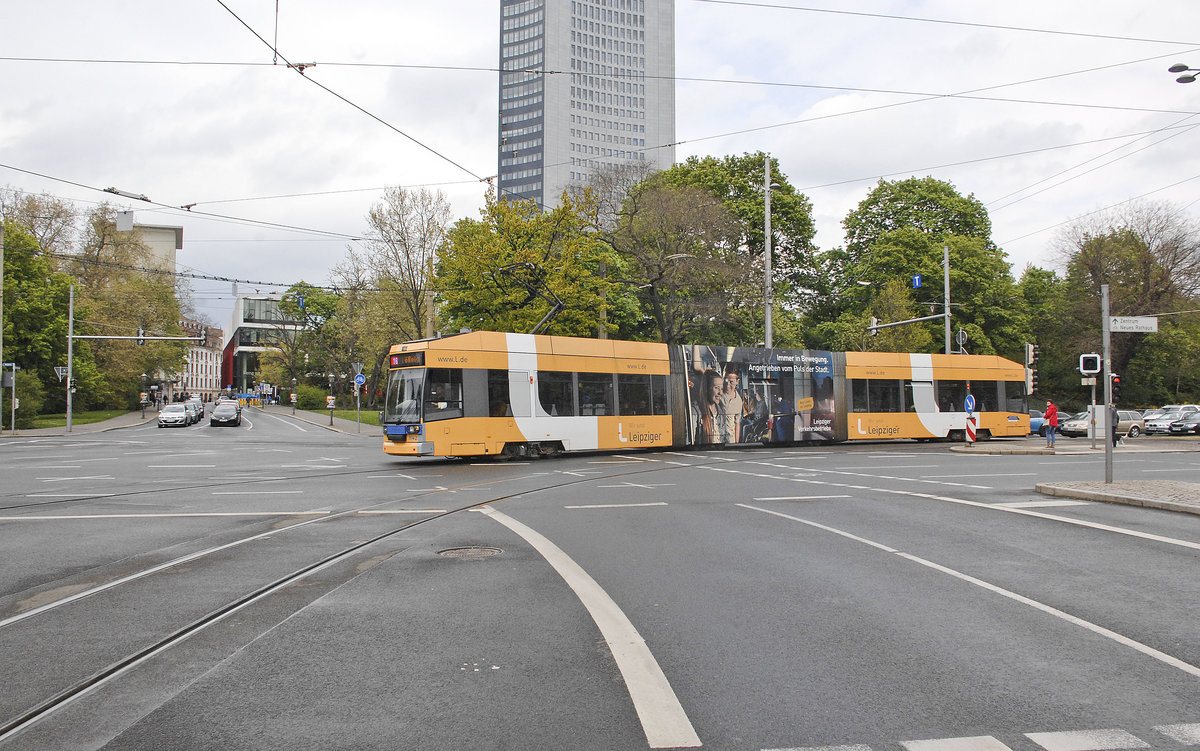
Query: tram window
{"type": "Point", "coordinates": [634, 392]}
{"type": "Point", "coordinates": [884, 395]}
{"type": "Point", "coordinates": [660, 395]}
{"type": "Point", "coordinates": [858, 396]}
{"type": "Point", "coordinates": [1014, 396]}
{"type": "Point", "coordinates": [498, 400]}
{"type": "Point", "coordinates": [404, 396]}
{"type": "Point", "coordinates": [951, 395]}
{"type": "Point", "coordinates": [443, 394]}
{"type": "Point", "coordinates": [595, 394]}
{"type": "Point", "coordinates": [556, 392]}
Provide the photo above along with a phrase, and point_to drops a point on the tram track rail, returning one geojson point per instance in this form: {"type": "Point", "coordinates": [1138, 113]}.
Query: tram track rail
{"type": "Point", "coordinates": [32, 715]}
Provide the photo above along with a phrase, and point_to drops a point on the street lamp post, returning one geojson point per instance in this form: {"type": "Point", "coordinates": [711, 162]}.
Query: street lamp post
{"type": "Point", "coordinates": [331, 399]}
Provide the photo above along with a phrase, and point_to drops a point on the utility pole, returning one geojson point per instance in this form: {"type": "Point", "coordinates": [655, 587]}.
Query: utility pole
{"type": "Point", "coordinates": [767, 334]}
{"type": "Point", "coordinates": [946, 286]}
{"type": "Point", "coordinates": [70, 351]}
{"type": "Point", "coordinates": [14, 385]}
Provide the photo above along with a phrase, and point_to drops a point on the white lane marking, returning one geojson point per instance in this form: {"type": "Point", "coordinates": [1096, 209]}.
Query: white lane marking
{"type": "Point", "coordinates": [662, 716]}
{"type": "Point", "coordinates": [1087, 740]}
{"type": "Point", "coordinates": [1094, 628]}
{"type": "Point", "coordinates": [878, 477]}
{"type": "Point", "coordinates": [975, 743]}
{"type": "Point", "coordinates": [617, 505]}
{"type": "Point", "coordinates": [159, 515]}
{"type": "Point", "coordinates": [822, 748]}
{"type": "Point", "coordinates": [291, 422]}
{"type": "Point", "coordinates": [800, 497]}
{"type": "Point", "coordinates": [180, 466]}
{"type": "Point", "coordinates": [995, 474]}
{"type": "Point", "coordinates": [892, 466]}
{"type": "Point", "coordinates": [650, 486]}
{"type": "Point", "coordinates": [1043, 504]}
{"type": "Point", "coordinates": [69, 495]}
{"type": "Point", "coordinates": [977, 504]}
{"type": "Point", "coordinates": [1188, 735]}
{"type": "Point", "coordinates": [256, 492]}
{"type": "Point", "coordinates": [66, 479]}
{"type": "Point", "coordinates": [404, 511]}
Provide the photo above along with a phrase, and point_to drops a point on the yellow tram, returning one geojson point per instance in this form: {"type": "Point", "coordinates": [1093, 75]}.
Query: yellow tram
{"type": "Point", "coordinates": [489, 393]}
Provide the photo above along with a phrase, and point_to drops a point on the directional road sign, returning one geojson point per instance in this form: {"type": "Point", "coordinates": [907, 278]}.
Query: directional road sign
{"type": "Point", "coordinates": [1127, 324]}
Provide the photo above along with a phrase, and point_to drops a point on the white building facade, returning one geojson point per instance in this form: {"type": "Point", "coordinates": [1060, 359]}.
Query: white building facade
{"type": "Point", "coordinates": [584, 85]}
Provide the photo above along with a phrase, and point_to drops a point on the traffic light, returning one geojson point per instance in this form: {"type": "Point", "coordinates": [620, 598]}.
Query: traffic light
{"type": "Point", "coordinates": [71, 384]}
{"type": "Point", "coordinates": [871, 326]}
{"type": "Point", "coordinates": [141, 336]}
{"type": "Point", "coordinates": [1116, 388]}
{"type": "Point", "coordinates": [1033, 381]}
{"type": "Point", "coordinates": [1089, 364]}
{"type": "Point", "coordinates": [203, 336]}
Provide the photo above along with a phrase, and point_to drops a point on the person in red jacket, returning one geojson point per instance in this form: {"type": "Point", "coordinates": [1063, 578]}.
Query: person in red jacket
{"type": "Point", "coordinates": [1051, 417]}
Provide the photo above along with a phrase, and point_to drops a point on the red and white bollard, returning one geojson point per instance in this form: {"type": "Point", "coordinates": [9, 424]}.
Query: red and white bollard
{"type": "Point", "coordinates": [970, 429]}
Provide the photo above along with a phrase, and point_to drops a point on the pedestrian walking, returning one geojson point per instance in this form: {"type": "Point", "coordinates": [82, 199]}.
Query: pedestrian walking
{"type": "Point", "coordinates": [1113, 420]}
{"type": "Point", "coordinates": [1051, 418]}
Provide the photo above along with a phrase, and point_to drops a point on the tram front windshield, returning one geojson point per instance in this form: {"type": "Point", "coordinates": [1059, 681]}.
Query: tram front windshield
{"type": "Point", "coordinates": [405, 388]}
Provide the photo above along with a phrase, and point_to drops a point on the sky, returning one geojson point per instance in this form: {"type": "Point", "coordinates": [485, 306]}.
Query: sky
{"type": "Point", "coordinates": [1046, 111]}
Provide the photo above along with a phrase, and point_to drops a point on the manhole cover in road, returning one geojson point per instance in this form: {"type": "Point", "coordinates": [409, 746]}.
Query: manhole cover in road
{"type": "Point", "coordinates": [472, 553]}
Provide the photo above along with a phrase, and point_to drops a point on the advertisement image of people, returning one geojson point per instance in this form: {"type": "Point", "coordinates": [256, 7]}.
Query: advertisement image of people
{"type": "Point", "coordinates": [746, 395]}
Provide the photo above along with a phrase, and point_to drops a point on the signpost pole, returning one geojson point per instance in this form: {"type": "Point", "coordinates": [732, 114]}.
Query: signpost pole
{"type": "Point", "coordinates": [1107, 337]}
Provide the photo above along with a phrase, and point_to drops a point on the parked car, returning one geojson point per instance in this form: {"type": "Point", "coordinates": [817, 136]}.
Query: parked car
{"type": "Point", "coordinates": [1129, 423]}
{"type": "Point", "coordinates": [192, 412]}
{"type": "Point", "coordinates": [173, 414]}
{"type": "Point", "coordinates": [225, 414]}
{"type": "Point", "coordinates": [1075, 425]}
{"type": "Point", "coordinates": [1188, 423]}
{"type": "Point", "coordinates": [1162, 423]}
{"type": "Point", "coordinates": [1037, 422]}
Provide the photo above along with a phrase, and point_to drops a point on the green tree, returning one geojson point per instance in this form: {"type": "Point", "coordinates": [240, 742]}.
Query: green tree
{"type": "Point", "coordinates": [679, 248]}
{"type": "Point", "coordinates": [118, 292]}
{"type": "Point", "coordinates": [35, 324]}
{"type": "Point", "coordinates": [405, 231]}
{"type": "Point", "coordinates": [737, 182]}
{"type": "Point", "coordinates": [502, 271]}
{"type": "Point", "coordinates": [1149, 256]}
{"type": "Point", "coordinates": [900, 230]}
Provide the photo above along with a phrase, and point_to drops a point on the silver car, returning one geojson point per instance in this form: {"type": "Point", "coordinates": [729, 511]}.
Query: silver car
{"type": "Point", "coordinates": [1162, 423]}
{"type": "Point", "coordinates": [173, 414]}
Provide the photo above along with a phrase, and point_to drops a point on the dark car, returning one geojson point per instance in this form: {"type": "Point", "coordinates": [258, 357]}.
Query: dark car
{"type": "Point", "coordinates": [225, 414]}
{"type": "Point", "coordinates": [1189, 423]}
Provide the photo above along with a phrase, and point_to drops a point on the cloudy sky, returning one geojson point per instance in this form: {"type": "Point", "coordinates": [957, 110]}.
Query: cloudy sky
{"type": "Point", "coordinates": [1045, 110]}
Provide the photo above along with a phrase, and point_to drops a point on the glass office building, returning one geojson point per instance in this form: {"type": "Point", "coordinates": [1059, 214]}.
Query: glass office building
{"type": "Point", "coordinates": [584, 85]}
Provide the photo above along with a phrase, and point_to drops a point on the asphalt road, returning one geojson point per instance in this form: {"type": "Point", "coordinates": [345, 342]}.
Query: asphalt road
{"type": "Point", "coordinates": [883, 596]}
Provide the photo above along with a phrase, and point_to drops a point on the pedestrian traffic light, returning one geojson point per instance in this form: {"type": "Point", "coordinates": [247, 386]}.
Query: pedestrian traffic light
{"type": "Point", "coordinates": [72, 385]}
{"type": "Point", "coordinates": [203, 336]}
{"type": "Point", "coordinates": [1089, 364]}
{"type": "Point", "coordinates": [1116, 387]}
{"type": "Point", "coordinates": [141, 336]}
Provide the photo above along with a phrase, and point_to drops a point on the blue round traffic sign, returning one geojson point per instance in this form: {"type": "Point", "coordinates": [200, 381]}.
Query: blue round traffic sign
{"type": "Point", "coordinates": [969, 403]}
{"type": "Point", "coordinates": [360, 379]}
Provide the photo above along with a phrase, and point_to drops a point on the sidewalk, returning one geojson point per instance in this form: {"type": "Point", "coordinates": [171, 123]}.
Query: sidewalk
{"type": "Point", "coordinates": [1164, 494]}
{"type": "Point", "coordinates": [321, 419]}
